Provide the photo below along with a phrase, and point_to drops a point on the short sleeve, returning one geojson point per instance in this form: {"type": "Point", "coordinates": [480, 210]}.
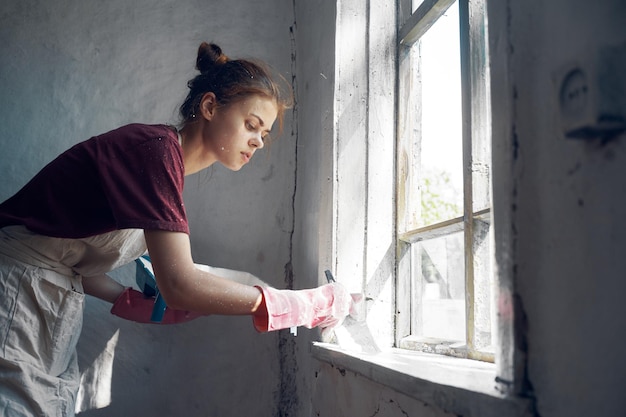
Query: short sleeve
{"type": "Point", "coordinates": [143, 183]}
{"type": "Point", "coordinates": [130, 177]}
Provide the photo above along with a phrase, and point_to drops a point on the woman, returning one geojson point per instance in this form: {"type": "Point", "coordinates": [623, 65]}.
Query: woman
{"type": "Point", "coordinates": [107, 200]}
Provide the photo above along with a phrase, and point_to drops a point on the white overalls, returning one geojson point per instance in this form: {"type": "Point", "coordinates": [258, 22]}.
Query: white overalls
{"type": "Point", "coordinates": [41, 313]}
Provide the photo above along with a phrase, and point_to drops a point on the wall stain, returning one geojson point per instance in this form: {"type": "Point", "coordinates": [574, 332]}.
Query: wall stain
{"type": "Point", "coordinates": [575, 169]}
{"type": "Point", "coordinates": [288, 399]}
{"type": "Point", "coordinates": [392, 402]}
{"type": "Point", "coordinates": [515, 143]}
{"type": "Point", "coordinates": [269, 175]}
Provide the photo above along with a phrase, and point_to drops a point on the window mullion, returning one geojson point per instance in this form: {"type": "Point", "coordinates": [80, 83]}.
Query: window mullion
{"type": "Point", "coordinates": [468, 220]}
{"type": "Point", "coordinates": [407, 204]}
{"type": "Point", "coordinates": [422, 19]}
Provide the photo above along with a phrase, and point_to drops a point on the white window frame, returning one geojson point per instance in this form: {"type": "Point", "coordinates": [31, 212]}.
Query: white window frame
{"type": "Point", "coordinates": [476, 181]}
{"type": "Point", "coordinates": [361, 247]}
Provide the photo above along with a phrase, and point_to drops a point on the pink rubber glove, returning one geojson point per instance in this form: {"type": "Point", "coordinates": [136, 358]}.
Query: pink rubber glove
{"type": "Point", "coordinates": [325, 306]}
{"type": "Point", "coordinates": [135, 306]}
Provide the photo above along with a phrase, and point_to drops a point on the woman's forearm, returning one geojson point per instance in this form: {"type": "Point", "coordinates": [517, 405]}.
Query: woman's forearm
{"type": "Point", "coordinates": [186, 287]}
{"type": "Point", "coordinates": [103, 287]}
{"type": "Point", "coordinates": [211, 294]}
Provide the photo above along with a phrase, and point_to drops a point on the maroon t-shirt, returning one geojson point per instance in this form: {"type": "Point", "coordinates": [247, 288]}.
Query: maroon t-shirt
{"type": "Point", "coordinates": [131, 177]}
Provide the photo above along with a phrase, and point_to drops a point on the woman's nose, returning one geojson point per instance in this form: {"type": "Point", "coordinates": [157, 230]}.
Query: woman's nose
{"type": "Point", "coordinates": [257, 141]}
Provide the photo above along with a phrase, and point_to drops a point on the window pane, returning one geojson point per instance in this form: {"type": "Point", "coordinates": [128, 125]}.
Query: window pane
{"type": "Point", "coordinates": [438, 270]}
{"type": "Point", "coordinates": [416, 4]}
{"type": "Point", "coordinates": [440, 159]}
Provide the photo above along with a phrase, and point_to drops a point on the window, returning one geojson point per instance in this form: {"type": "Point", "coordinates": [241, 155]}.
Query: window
{"type": "Point", "coordinates": [402, 219]}
{"type": "Point", "coordinates": [444, 255]}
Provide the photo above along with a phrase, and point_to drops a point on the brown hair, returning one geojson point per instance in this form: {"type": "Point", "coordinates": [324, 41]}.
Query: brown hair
{"type": "Point", "coordinates": [230, 81]}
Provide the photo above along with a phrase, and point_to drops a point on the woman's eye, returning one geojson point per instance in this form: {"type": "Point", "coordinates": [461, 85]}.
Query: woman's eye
{"type": "Point", "coordinates": [250, 126]}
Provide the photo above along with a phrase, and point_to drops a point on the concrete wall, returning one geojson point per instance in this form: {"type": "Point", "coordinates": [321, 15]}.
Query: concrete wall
{"type": "Point", "coordinates": [315, 80]}
{"type": "Point", "coordinates": [567, 198]}
{"type": "Point", "coordinates": [69, 70]}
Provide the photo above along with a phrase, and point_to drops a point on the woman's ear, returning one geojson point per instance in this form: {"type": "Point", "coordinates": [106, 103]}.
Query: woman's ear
{"type": "Point", "coordinates": [208, 104]}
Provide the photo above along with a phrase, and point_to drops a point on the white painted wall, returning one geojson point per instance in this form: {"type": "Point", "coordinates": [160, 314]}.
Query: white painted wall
{"type": "Point", "coordinates": [70, 70]}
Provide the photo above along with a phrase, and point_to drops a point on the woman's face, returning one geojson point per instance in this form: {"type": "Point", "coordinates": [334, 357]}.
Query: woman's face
{"type": "Point", "coordinates": [237, 130]}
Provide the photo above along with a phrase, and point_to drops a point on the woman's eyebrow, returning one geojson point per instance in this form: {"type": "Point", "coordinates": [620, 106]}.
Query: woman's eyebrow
{"type": "Point", "coordinates": [261, 123]}
{"type": "Point", "coordinates": [259, 118]}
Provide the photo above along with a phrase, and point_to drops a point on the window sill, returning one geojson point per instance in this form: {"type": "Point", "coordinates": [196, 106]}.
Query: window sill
{"type": "Point", "coordinates": [459, 386]}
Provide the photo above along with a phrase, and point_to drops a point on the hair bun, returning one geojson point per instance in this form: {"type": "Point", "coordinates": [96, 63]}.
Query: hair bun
{"type": "Point", "coordinates": [209, 55]}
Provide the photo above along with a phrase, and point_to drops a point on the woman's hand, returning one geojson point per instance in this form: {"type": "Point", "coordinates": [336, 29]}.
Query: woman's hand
{"type": "Point", "coordinates": [326, 306]}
